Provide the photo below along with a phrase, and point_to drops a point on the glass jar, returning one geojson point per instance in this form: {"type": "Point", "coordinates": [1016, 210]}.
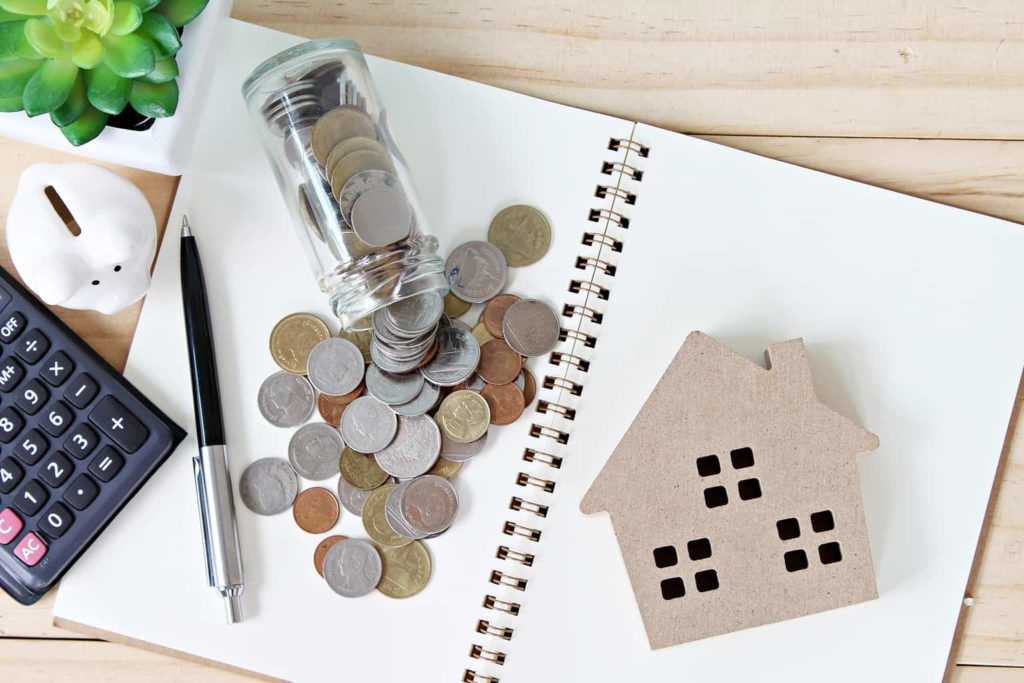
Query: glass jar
{"type": "Point", "coordinates": [344, 181]}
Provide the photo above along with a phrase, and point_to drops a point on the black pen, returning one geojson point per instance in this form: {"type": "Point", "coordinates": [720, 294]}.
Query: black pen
{"type": "Point", "coordinates": [210, 467]}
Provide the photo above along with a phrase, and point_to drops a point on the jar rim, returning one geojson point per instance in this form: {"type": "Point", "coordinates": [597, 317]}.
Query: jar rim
{"type": "Point", "coordinates": [294, 53]}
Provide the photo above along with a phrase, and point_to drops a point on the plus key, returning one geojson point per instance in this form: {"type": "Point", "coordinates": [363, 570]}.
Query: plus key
{"type": "Point", "coordinates": [123, 428]}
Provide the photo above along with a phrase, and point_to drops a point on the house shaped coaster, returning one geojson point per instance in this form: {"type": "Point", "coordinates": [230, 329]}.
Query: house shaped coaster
{"type": "Point", "coordinates": [735, 497]}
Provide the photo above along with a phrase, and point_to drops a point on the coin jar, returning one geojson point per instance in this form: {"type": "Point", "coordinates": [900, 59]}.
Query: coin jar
{"type": "Point", "coordinates": [345, 183]}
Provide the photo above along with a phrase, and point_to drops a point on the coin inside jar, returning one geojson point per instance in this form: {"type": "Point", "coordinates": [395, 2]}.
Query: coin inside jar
{"type": "Point", "coordinates": [531, 327]}
{"type": "Point", "coordinates": [494, 313]}
{"type": "Point", "coordinates": [522, 233]}
{"type": "Point", "coordinates": [316, 510]}
{"type": "Point", "coordinates": [464, 416]}
{"type": "Point", "coordinates": [293, 338]}
{"type": "Point", "coordinates": [320, 553]}
{"type": "Point", "coordinates": [381, 217]}
{"type": "Point", "coordinates": [499, 364]}
{"type": "Point", "coordinates": [347, 146]}
{"type": "Point", "coordinates": [505, 402]}
{"type": "Point", "coordinates": [335, 126]}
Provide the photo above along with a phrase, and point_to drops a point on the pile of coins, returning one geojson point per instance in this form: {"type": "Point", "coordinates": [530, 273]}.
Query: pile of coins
{"type": "Point", "coordinates": [405, 402]}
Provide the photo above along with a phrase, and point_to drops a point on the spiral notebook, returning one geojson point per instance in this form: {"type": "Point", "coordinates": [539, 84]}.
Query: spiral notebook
{"type": "Point", "coordinates": [909, 311]}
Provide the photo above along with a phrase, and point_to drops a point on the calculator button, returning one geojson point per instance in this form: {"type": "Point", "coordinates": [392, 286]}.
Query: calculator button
{"type": "Point", "coordinates": [10, 525]}
{"type": "Point", "coordinates": [12, 327]}
{"type": "Point", "coordinates": [56, 521]}
{"type": "Point", "coordinates": [81, 441]}
{"type": "Point", "coordinates": [106, 464]}
{"type": "Point", "coordinates": [31, 397]}
{"type": "Point", "coordinates": [10, 474]}
{"type": "Point", "coordinates": [31, 447]}
{"type": "Point", "coordinates": [82, 391]}
{"type": "Point", "coordinates": [57, 369]}
{"type": "Point", "coordinates": [56, 470]}
{"type": "Point", "coordinates": [114, 420]}
{"type": "Point", "coordinates": [33, 346]}
{"type": "Point", "coordinates": [11, 424]}
{"type": "Point", "coordinates": [11, 374]}
{"type": "Point", "coordinates": [81, 492]}
{"type": "Point", "coordinates": [31, 498]}
{"type": "Point", "coordinates": [56, 419]}
{"type": "Point", "coordinates": [30, 550]}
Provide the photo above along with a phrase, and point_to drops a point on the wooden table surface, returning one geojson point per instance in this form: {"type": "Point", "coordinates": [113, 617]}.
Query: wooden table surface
{"type": "Point", "coordinates": [921, 97]}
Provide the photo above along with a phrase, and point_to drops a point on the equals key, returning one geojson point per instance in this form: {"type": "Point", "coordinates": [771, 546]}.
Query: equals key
{"type": "Point", "coordinates": [123, 428]}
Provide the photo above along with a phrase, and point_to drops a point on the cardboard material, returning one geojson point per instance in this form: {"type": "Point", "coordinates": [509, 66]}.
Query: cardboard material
{"type": "Point", "coordinates": [735, 496]}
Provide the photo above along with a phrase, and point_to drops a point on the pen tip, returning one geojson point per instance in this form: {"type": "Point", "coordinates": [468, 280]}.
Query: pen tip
{"type": "Point", "coordinates": [186, 229]}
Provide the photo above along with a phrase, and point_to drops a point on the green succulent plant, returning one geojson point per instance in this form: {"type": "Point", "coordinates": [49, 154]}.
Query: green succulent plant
{"type": "Point", "coordinates": [82, 61]}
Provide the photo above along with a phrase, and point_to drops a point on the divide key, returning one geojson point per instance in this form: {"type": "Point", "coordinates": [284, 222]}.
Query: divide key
{"type": "Point", "coordinates": [114, 420]}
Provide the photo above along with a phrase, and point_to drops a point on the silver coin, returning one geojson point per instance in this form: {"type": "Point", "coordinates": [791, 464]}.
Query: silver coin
{"type": "Point", "coordinates": [368, 425]}
{"type": "Point", "coordinates": [458, 354]}
{"type": "Point", "coordinates": [414, 450]}
{"type": "Point", "coordinates": [352, 498]}
{"type": "Point", "coordinates": [530, 327]}
{"type": "Point", "coordinates": [352, 567]}
{"type": "Point", "coordinates": [315, 450]}
{"type": "Point", "coordinates": [428, 505]}
{"type": "Point", "coordinates": [476, 271]}
{"type": "Point", "coordinates": [382, 217]}
{"type": "Point", "coordinates": [424, 401]}
{"type": "Point", "coordinates": [416, 315]}
{"type": "Point", "coordinates": [460, 452]}
{"type": "Point", "coordinates": [335, 366]}
{"type": "Point", "coordinates": [393, 389]}
{"type": "Point", "coordinates": [363, 181]}
{"type": "Point", "coordinates": [393, 515]}
{"type": "Point", "coordinates": [286, 400]}
{"type": "Point", "coordinates": [268, 486]}
{"type": "Point", "coordinates": [386, 362]}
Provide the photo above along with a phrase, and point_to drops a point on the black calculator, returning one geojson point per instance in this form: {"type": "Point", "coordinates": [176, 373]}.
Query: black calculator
{"type": "Point", "coordinates": [77, 441]}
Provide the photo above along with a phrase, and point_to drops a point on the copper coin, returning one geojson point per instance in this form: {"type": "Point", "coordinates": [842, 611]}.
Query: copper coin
{"type": "Point", "coordinates": [321, 552]}
{"type": "Point", "coordinates": [316, 510]}
{"type": "Point", "coordinates": [331, 407]}
{"type": "Point", "coordinates": [529, 388]}
{"type": "Point", "coordinates": [499, 364]}
{"type": "Point", "coordinates": [494, 313]}
{"type": "Point", "coordinates": [505, 401]}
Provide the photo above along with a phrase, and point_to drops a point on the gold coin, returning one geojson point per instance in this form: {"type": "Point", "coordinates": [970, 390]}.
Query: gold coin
{"type": "Point", "coordinates": [362, 471]}
{"type": "Point", "coordinates": [337, 125]}
{"type": "Point", "coordinates": [293, 338]}
{"type": "Point", "coordinates": [445, 468]}
{"type": "Point", "coordinates": [481, 334]}
{"type": "Point", "coordinates": [349, 145]}
{"type": "Point", "coordinates": [464, 416]}
{"type": "Point", "coordinates": [406, 570]}
{"type": "Point", "coordinates": [522, 233]}
{"type": "Point", "coordinates": [362, 339]}
{"type": "Point", "coordinates": [354, 162]}
{"type": "Point", "coordinates": [455, 307]}
{"type": "Point", "coordinates": [375, 521]}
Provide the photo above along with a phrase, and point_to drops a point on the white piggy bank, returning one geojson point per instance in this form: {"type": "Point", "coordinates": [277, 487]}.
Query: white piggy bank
{"type": "Point", "coordinates": [106, 266]}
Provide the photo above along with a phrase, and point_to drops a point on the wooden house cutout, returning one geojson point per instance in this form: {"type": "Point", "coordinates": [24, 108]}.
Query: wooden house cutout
{"type": "Point", "coordinates": [735, 497]}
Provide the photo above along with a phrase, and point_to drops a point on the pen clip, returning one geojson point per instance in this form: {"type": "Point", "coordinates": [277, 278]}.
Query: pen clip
{"type": "Point", "coordinates": [204, 521]}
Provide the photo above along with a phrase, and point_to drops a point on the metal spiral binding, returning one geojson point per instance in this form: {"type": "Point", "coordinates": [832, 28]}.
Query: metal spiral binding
{"type": "Point", "coordinates": [532, 501]}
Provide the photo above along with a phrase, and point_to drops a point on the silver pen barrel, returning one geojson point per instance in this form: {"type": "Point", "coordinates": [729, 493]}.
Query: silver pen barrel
{"type": "Point", "coordinates": [224, 556]}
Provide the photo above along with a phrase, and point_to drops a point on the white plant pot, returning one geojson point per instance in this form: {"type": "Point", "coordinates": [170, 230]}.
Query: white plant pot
{"type": "Point", "coordinates": [165, 146]}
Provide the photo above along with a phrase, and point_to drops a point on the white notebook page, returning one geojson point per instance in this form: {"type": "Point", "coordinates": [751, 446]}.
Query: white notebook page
{"type": "Point", "coordinates": [910, 315]}
{"type": "Point", "coordinates": [472, 150]}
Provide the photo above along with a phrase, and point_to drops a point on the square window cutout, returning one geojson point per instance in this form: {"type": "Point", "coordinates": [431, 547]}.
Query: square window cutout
{"type": "Point", "coordinates": [823, 521]}
{"type": "Point", "coordinates": [673, 588]}
{"type": "Point", "coordinates": [749, 489]}
{"type": "Point", "coordinates": [742, 458]}
{"type": "Point", "coordinates": [788, 528]}
{"type": "Point", "coordinates": [829, 553]}
{"type": "Point", "coordinates": [716, 496]}
{"type": "Point", "coordinates": [708, 465]}
{"type": "Point", "coordinates": [706, 580]}
{"type": "Point", "coordinates": [795, 560]}
{"type": "Point", "coordinates": [665, 556]}
{"type": "Point", "coordinates": [699, 549]}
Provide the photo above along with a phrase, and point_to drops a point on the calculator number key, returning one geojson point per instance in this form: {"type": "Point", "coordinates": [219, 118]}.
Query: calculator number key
{"type": "Point", "coordinates": [56, 470]}
{"type": "Point", "coordinates": [57, 369]}
{"type": "Point", "coordinates": [32, 447]}
{"type": "Point", "coordinates": [82, 391]}
{"type": "Point", "coordinates": [32, 397]}
{"type": "Point", "coordinates": [107, 463]}
{"type": "Point", "coordinates": [11, 424]}
{"type": "Point", "coordinates": [33, 346]}
{"type": "Point", "coordinates": [123, 428]}
{"type": "Point", "coordinates": [11, 374]}
{"type": "Point", "coordinates": [81, 493]}
{"type": "Point", "coordinates": [10, 525]}
{"type": "Point", "coordinates": [57, 419]}
{"type": "Point", "coordinates": [12, 327]}
{"type": "Point", "coordinates": [56, 521]}
{"type": "Point", "coordinates": [30, 550]}
{"type": "Point", "coordinates": [31, 499]}
{"type": "Point", "coordinates": [81, 441]}
{"type": "Point", "coordinates": [10, 474]}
